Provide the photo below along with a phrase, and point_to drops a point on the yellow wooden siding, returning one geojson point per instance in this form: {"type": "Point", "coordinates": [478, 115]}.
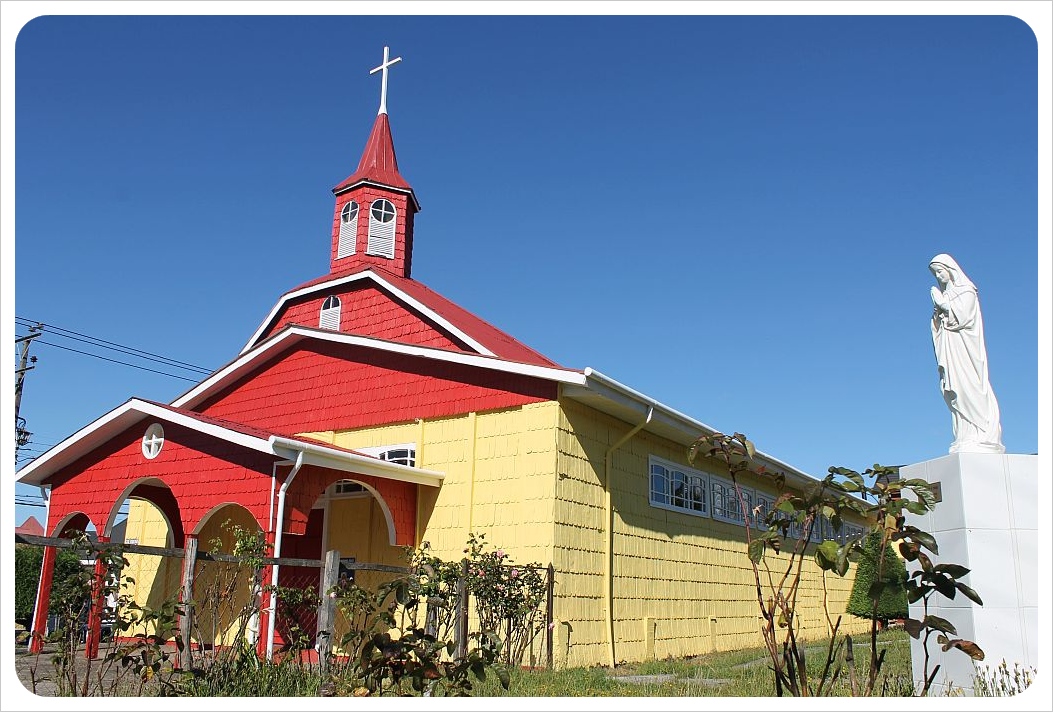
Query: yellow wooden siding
{"type": "Point", "coordinates": [688, 574]}
{"type": "Point", "coordinates": [156, 578]}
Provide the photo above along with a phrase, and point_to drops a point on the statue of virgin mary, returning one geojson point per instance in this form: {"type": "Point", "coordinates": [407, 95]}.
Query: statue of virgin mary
{"type": "Point", "coordinates": [961, 359]}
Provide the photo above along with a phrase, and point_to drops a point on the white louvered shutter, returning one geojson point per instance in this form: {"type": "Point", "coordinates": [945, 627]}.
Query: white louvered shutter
{"type": "Point", "coordinates": [382, 221]}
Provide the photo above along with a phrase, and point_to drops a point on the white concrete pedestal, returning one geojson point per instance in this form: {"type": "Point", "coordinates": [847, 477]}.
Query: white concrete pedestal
{"type": "Point", "coordinates": [987, 521]}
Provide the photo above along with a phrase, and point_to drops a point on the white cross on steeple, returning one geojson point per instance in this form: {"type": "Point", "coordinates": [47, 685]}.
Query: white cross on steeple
{"type": "Point", "coordinates": [383, 68]}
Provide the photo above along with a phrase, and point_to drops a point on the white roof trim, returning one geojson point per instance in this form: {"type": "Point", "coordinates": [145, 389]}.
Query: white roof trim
{"type": "Point", "coordinates": [607, 387]}
{"type": "Point", "coordinates": [241, 365]}
{"type": "Point", "coordinates": [135, 410]}
{"type": "Point", "coordinates": [357, 463]}
{"type": "Point", "coordinates": [121, 417]}
{"type": "Point", "coordinates": [397, 293]}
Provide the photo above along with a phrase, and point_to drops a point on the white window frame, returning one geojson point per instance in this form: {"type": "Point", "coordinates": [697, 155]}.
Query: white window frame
{"type": "Point", "coordinates": [690, 477]}
{"type": "Point", "coordinates": [348, 231]}
{"type": "Point", "coordinates": [729, 487]}
{"type": "Point", "coordinates": [762, 498]}
{"type": "Point", "coordinates": [381, 237]}
{"type": "Point", "coordinates": [153, 441]}
{"type": "Point", "coordinates": [329, 317]}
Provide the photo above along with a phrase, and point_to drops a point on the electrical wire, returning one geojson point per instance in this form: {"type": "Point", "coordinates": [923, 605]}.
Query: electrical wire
{"type": "Point", "coordinates": [113, 360]}
{"type": "Point", "coordinates": [104, 343]}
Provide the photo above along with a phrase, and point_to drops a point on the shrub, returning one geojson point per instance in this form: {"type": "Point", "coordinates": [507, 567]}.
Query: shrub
{"type": "Point", "coordinates": [892, 603]}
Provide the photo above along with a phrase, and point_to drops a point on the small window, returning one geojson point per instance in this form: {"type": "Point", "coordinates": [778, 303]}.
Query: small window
{"type": "Point", "coordinates": [329, 317]}
{"type": "Point", "coordinates": [400, 456]}
{"type": "Point", "coordinates": [348, 230]}
{"type": "Point", "coordinates": [764, 504]}
{"type": "Point", "coordinates": [726, 505]}
{"type": "Point", "coordinates": [153, 441]}
{"type": "Point", "coordinates": [678, 488]}
{"type": "Point", "coordinates": [347, 487]}
{"type": "Point", "coordinates": [381, 238]}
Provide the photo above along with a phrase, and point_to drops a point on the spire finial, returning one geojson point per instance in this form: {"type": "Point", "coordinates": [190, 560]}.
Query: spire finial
{"type": "Point", "coordinates": [383, 69]}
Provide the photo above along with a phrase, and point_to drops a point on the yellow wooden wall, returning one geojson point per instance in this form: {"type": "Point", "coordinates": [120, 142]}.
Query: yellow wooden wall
{"type": "Point", "coordinates": [685, 577]}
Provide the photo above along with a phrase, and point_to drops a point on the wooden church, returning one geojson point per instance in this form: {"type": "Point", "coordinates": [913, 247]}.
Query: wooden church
{"type": "Point", "coordinates": [367, 413]}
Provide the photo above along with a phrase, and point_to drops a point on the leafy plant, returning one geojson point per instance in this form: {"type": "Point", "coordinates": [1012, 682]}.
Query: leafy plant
{"type": "Point", "coordinates": [789, 525]}
{"type": "Point", "coordinates": [388, 654]}
{"type": "Point", "coordinates": [508, 596]}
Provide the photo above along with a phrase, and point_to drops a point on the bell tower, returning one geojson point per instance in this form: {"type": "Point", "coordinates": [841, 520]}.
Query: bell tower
{"type": "Point", "coordinates": [373, 216]}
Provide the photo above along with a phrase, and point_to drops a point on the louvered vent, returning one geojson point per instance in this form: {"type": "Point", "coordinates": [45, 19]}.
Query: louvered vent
{"type": "Point", "coordinates": [345, 244]}
{"type": "Point", "coordinates": [381, 229]}
{"type": "Point", "coordinates": [329, 318]}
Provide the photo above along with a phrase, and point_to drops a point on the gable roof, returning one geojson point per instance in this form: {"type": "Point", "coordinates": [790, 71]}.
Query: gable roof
{"type": "Point", "coordinates": [285, 447]}
{"type": "Point", "coordinates": [31, 527]}
{"type": "Point", "coordinates": [479, 335]}
{"type": "Point", "coordinates": [291, 335]}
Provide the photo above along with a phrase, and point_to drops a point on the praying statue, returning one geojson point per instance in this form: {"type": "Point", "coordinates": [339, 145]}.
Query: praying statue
{"type": "Point", "coordinates": [961, 359]}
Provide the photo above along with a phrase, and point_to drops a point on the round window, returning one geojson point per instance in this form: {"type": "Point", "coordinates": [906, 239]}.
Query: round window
{"type": "Point", "coordinates": [153, 440]}
{"type": "Point", "coordinates": [383, 211]}
{"type": "Point", "coordinates": [350, 211]}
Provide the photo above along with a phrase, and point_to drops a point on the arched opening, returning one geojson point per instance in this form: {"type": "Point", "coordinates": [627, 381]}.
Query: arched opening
{"type": "Point", "coordinates": [226, 594]}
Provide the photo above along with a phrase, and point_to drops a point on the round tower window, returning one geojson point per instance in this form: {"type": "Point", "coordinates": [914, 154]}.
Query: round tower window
{"type": "Point", "coordinates": [350, 211]}
{"type": "Point", "coordinates": [153, 440]}
{"type": "Point", "coordinates": [383, 211]}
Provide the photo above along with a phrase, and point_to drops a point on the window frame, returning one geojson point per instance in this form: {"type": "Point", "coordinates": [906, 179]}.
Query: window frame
{"type": "Point", "coordinates": [690, 475]}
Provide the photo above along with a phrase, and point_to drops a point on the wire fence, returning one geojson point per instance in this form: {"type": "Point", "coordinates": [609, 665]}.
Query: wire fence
{"type": "Point", "coordinates": [231, 599]}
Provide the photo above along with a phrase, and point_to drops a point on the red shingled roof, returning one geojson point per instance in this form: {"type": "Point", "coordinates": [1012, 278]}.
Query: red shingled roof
{"type": "Point", "coordinates": [30, 527]}
{"type": "Point", "coordinates": [247, 429]}
{"type": "Point", "coordinates": [500, 343]}
{"type": "Point", "coordinates": [378, 163]}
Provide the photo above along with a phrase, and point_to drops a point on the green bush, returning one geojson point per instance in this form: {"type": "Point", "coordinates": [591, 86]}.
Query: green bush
{"type": "Point", "coordinates": [892, 603]}
{"type": "Point", "coordinates": [27, 577]}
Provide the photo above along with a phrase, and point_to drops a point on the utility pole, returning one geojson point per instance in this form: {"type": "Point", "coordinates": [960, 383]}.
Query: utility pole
{"type": "Point", "coordinates": [21, 434]}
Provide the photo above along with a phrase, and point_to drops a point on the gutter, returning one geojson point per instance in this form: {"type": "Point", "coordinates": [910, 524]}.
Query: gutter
{"type": "Point", "coordinates": [278, 551]}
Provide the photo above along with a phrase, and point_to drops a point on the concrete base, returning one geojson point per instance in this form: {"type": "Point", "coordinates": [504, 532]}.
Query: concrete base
{"type": "Point", "coordinates": [987, 521]}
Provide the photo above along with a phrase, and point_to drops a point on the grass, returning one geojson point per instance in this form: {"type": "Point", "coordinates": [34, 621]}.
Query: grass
{"type": "Point", "coordinates": [741, 673]}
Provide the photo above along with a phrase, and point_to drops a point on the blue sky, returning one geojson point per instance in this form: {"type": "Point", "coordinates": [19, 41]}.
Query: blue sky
{"type": "Point", "coordinates": [733, 215]}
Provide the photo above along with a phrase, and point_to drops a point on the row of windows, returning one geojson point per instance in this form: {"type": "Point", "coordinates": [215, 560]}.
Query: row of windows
{"type": "Point", "coordinates": [683, 489]}
{"type": "Point", "coordinates": [381, 236]}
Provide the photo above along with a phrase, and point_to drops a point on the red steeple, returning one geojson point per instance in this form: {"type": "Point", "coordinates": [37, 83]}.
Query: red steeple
{"type": "Point", "coordinates": [378, 163]}
{"type": "Point", "coordinates": [373, 218]}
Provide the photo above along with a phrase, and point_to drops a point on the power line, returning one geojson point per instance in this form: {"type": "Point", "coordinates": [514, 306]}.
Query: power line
{"type": "Point", "coordinates": [96, 341]}
{"type": "Point", "coordinates": [113, 360]}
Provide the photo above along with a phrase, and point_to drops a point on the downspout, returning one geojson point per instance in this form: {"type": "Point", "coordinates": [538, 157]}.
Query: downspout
{"type": "Point", "coordinates": [272, 609]}
{"type": "Point", "coordinates": [608, 515]}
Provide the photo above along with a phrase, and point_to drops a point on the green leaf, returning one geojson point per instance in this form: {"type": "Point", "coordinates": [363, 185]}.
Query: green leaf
{"type": "Point", "coordinates": [944, 585]}
{"type": "Point", "coordinates": [952, 570]}
{"type": "Point", "coordinates": [968, 592]}
{"type": "Point", "coordinates": [875, 589]}
{"type": "Point", "coordinates": [924, 538]}
{"type": "Point", "coordinates": [479, 670]}
{"type": "Point", "coordinates": [502, 675]}
{"type": "Point", "coordinates": [826, 555]}
{"type": "Point", "coordinates": [940, 624]}
{"type": "Point", "coordinates": [916, 507]}
{"type": "Point", "coordinates": [913, 627]}
{"type": "Point", "coordinates": [756, 550]}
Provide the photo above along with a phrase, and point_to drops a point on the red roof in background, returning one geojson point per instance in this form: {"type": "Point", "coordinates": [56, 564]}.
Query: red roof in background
{"type": "Point", "coordinates": [378, 163]}
{"type": "Point", "coordinates": [497, 341]}
{"type": "Point", "coordinates": [30, 527]}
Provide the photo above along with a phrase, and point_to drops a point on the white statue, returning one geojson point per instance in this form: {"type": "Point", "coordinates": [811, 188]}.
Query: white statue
{"type": "Point", "coordinates": [961, 358]}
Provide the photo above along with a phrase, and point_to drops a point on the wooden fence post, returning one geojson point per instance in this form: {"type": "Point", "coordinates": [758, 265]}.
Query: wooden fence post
{"type": "Point", "coordinates": [462, 611]}
{"type": "Point", "coordinates": [549, 595]}
{"type": "Point", "coordinates": [186, 597]}
{"type": "Point", "coordinates": [326, 609]}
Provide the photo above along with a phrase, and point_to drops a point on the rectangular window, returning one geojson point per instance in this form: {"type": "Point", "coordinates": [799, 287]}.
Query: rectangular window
{"type": "Point", "coordinates": [764, 504]}
{"type": "Point", "coordinates": [726, 506]}
{"type": "Point", "coordinates": [678, 488]}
